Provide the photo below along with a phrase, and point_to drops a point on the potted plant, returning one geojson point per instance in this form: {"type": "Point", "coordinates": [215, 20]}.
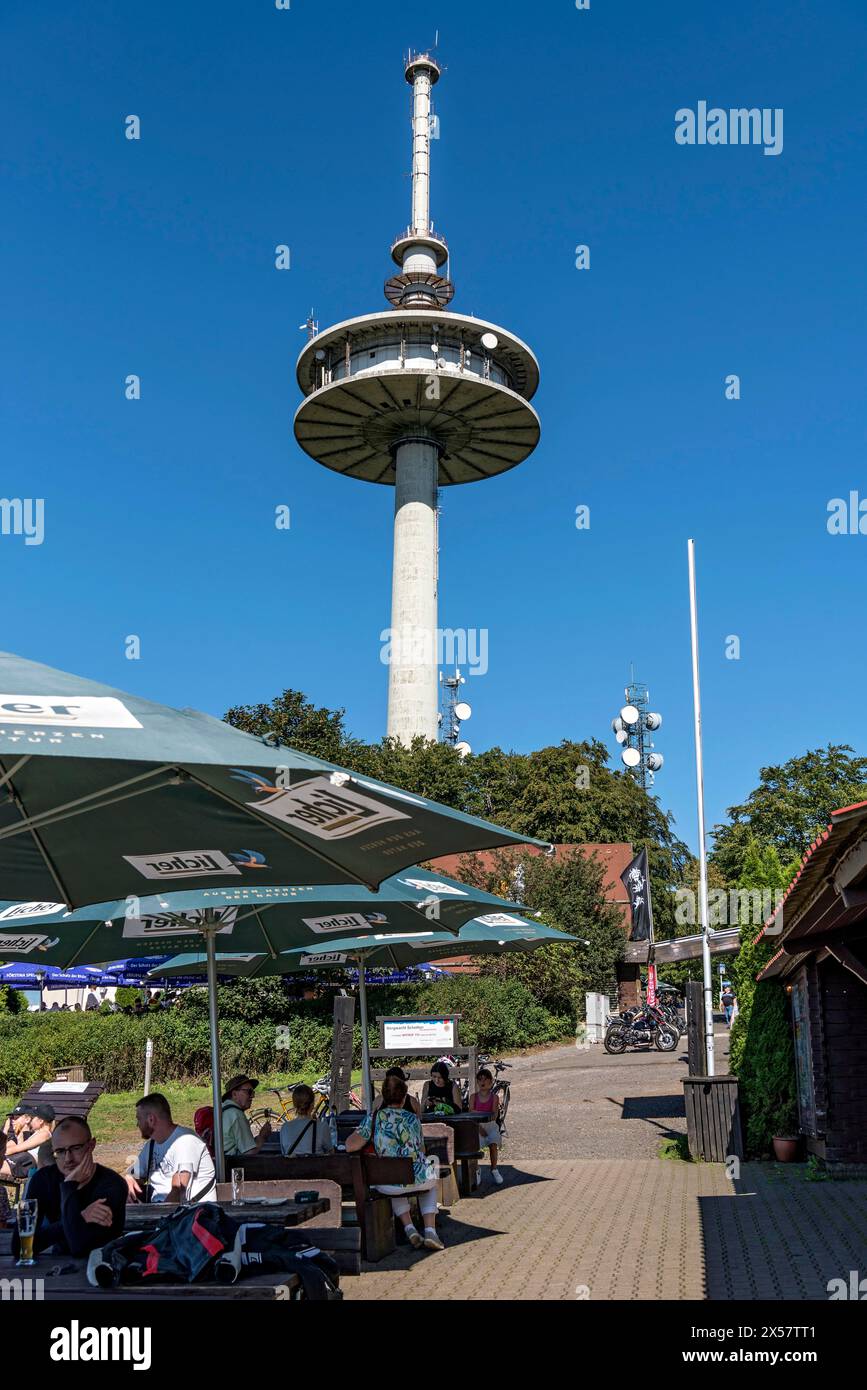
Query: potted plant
{"type": "Point", "coordinates": [786, 1142]}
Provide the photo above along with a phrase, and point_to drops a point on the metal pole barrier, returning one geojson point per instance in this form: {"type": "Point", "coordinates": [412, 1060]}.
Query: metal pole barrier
{"type": "Point", "coordinates": [702, 848]}
{"type": "Point", "coordinates": [149, 1057]}
{"type": "Point", "coordinates": [211, 948]}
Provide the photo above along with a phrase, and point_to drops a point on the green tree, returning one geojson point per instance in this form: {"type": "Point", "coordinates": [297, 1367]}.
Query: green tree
{"type": "Point", "coordinates": [790, 806]}
{"type": "Point", "coordinates": [126, 996]}
{"type": "Point", "coordinates": [11, 1000]}
{"type": "Point", "coordinates": [564, 793]}
{"type": "Point", "coordinates": [567, 893]}
{"type": "Point", "coordinates": [297, 723]}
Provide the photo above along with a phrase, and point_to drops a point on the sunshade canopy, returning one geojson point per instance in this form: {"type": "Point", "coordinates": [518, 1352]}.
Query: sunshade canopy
{"type": "Point", "coordinates": [483, 936]}
{"type": "Point", "coordinates": [109, 795]}
{"type": "Point", "coordinates": [261, 920]}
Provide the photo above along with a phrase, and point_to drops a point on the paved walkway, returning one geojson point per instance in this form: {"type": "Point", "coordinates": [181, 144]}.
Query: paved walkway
{"type": "Point", "coordinates": [636, 1229]}
{"type": "Point", "coordinates": [569, 1102]}
{"type": "Point", "coordinates": [589, 1211]}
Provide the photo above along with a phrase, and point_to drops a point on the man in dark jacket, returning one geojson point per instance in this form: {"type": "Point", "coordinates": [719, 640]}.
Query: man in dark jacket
{"type": "Point", "coordinates": [81, 1204]}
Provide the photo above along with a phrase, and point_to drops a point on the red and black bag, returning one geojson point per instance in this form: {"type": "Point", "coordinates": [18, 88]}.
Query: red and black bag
{"type": "Point", "coordinates": [181, 1248]}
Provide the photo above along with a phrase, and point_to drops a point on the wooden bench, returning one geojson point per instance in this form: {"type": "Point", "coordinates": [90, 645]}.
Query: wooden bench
{"type": "Point", "coordinates": [65, 1097]}
{"type": "Point", "coordinates": [357, 1173]}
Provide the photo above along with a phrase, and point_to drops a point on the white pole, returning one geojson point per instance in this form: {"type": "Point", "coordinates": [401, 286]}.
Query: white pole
{"type": "Point", "coordinates": [213, 1019]}
{"type": "Point", "coordinates": [149, 1057]}
{"type": "Point", "coordinates": [702, 848]}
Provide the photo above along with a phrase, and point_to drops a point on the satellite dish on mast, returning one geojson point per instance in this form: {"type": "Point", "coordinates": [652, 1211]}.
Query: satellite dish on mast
{"type": "Point", "coordinates": [629, 714]}
{"type": "Point", "coordinates": [621, 736]}
{"type": "Point", "coordinates": [463, 749]}
{"type": "Point", "coordinates": [490, 341]}
{"type": "Point", "coordinates": [463, 710]}
{"type": "Point", "coordinates": [631, 757]}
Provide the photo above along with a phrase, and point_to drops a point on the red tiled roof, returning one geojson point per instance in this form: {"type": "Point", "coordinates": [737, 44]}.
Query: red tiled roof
{"type": "Point", "coordinates": [808, 867]}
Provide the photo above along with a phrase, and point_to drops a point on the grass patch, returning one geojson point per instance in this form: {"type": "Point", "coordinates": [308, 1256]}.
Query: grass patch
{"type": "Point", "coordinates": [675, 1149]}
{"type": "Point", "coordinates": [112, 1118]}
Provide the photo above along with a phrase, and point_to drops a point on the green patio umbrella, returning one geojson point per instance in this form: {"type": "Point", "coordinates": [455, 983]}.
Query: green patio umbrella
{"type": "Point", "coordinates": [107, 794]}
{"type": "Point", "coordinates": [257, 919]}
{"type": "Point", "coordinates": [491, 934]}
{"type": "Point", "coordinates": [264, 921]}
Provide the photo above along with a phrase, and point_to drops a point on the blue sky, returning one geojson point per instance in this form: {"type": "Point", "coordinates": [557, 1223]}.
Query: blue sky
{"type": "Point", "coordinates": [261, 127]}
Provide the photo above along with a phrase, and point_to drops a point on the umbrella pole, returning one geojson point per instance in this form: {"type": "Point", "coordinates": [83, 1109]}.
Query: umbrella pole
{"type": "Point", "coordinates": [365, 1042]}
{"type": "Point", "coordinates": [211, 950]}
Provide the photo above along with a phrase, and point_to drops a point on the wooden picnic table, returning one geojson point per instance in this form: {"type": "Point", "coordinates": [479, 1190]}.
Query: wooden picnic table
{"type": "Point", "coordinates": [71, 1284]}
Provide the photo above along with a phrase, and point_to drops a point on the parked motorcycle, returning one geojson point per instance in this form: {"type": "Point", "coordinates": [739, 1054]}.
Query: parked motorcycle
{"type": "Point", "coordinates": [640, 1028]}
{"type": "Point", "coordinates": [672, 1015]}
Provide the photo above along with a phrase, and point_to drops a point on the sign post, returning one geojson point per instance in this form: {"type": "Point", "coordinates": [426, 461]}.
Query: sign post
{"type": "Point", "coordinates": [341, 1052]}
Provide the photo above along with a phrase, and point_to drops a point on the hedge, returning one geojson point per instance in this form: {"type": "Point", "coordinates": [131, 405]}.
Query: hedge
{"type": "Point", "coordinates": [257, 1020]}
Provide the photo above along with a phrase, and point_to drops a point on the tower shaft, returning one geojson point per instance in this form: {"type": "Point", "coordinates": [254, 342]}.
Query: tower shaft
{"type": "Point", "coordinates": [412, 676]}
{"type": "Point", "coordinates": [420, 398]}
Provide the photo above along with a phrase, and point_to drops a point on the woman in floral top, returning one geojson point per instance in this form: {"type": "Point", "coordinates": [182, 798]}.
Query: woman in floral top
{"type": "Point", "coordinates": [397, 1133]}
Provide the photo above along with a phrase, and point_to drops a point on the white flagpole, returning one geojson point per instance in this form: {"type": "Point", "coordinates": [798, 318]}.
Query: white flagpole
{"type": "Point", "coordinates": [702, 848]}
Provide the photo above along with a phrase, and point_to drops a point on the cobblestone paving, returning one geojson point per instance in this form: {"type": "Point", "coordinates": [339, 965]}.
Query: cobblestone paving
{"type": "Point", "coordinates": [636, 1229]}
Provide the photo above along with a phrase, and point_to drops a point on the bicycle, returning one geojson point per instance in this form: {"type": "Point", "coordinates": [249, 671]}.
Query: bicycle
{"type": "Point", "coordinates": [321, 1105]}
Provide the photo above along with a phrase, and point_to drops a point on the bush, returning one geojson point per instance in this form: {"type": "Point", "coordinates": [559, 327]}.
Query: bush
{"type": "Point", "coordinates": [127, 996]}
{"type": "Point", "coordinates": [263, 1029]}
{"type": "Point", "coordinates": [11, 1001]}
{"type": "Point", "coordinates": [762, 1056]}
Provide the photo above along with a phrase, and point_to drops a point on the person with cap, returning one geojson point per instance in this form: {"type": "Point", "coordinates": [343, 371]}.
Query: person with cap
{"type": "Point", "coordinates": [80, 1204]}
{"type": "Point", "coordinates": [237, 1134]}
{"type": "Point", "coordinates": [29, 1142]}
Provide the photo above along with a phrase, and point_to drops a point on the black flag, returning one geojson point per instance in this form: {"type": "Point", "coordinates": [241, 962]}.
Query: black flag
{"type": "Point", "coordinates": [636, 881]}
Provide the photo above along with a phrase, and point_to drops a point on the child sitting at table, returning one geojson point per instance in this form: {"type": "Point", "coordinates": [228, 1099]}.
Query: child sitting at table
{"type": "Point", "coordinates": [485, 1101]}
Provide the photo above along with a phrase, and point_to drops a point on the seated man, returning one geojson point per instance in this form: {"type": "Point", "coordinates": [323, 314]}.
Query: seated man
{"type": "Point", "coordinates": [173, 1160]}
{"type": "Point", "coordinates": [237, 1134]}
{"type": "Point", "coordinates": [80, 1204]}
{"type": "Point", "coordinates": [29, 1142]}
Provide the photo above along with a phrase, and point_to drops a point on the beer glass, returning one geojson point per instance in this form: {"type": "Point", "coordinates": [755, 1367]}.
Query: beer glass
{"type": "Point", "coordinates": [237, 1187]}
{"type": "Point", "coordinates": [27, 1211]}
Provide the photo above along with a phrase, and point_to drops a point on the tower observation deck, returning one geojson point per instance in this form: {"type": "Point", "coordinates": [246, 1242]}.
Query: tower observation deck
{"type": "Point", "coordinates": [417, 397]}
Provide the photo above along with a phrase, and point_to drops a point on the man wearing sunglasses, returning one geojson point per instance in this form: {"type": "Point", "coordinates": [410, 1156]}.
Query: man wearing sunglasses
{"type": "Point", "coordinates": [81, 1204]}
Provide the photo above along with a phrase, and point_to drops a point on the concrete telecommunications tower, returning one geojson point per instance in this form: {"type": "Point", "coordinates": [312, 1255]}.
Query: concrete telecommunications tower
{"type": "Point", "coordinates": [417, 398]}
